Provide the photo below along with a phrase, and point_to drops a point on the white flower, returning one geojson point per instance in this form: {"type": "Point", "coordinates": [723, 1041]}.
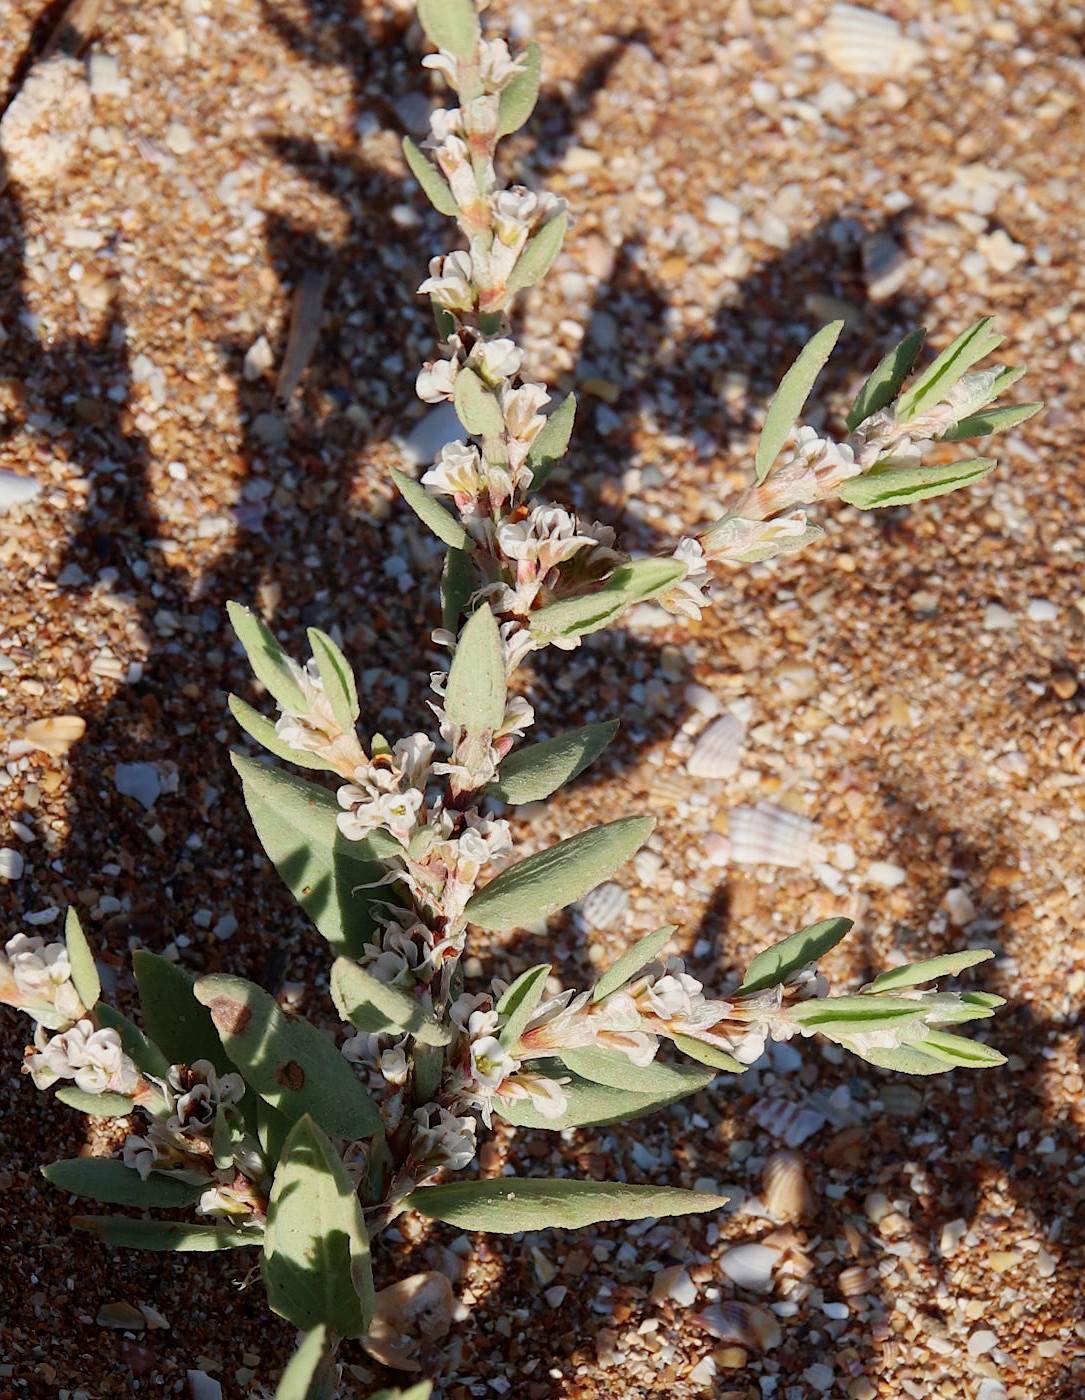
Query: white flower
{"type": "Point", "coordinates": [444, 63]}
{"type": "Point", "coordinates": [413, 757]}
{"type": "Point", "coordinates": [496, 66]}
{"type": "Point", "coordinates": [520, 408]}
{"type": "Point", "coordinates": [393, 1065]}
{"type": "Point", "coordinates": [443, 123]}
{"type": "Point", "coordinates": [93, 1058]}
{"type": "Point", "coordinates": [456, 472]}
{"type": "Point", "coordinates": [197, 1090]}
{"type": "Point", "coordinates": [465, 1006]}
{"type": "Point", "coordinates": [140, 1154]}
{"type": "Point", "coordinates": [451, 281]}
{"type": "Point", "coordinates": [491, 1063]}
{"type": "Point", "coordinates": [547, 1095]}
{"type": "Point", "coordinates": [497, 360]}
{"type": "Point", "coordinates": [514, 212]}
{"type": "Point", "coordinates": [448, 1143]}
{"type": "Point", "coordinates": [741, 541]}
{"type": "Point", "coordinates": [437, 380]}
{"type": "Point", "coordinates": [687, 597]}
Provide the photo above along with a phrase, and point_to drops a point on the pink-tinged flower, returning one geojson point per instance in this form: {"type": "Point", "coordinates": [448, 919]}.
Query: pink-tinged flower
{"type": "Point", "coordinates": [688, 596]}
{"type": "Point", "coordinates": [451, 282]}
{"type": "Point", "coordinates": [558, 1023]}
{"type": "Point", "coordinates": [546, 1095]}
{"type": "Point", "coordinates": [497, 360]}
{"type": "Point", "coordinates": [437, 380]}
{"type": "Point", "coordinates": [456, 472]}
{"type": "Point", "coordinates": [93, 1058]}
{"type": "Point", "coordinates": [496, 66]}
{"type": "Point", "coordinates": [196, 1091]}
{"type": "Point", "coordinates": [740, 541]}
{"type": "Point", "coordinates": [36, 978]}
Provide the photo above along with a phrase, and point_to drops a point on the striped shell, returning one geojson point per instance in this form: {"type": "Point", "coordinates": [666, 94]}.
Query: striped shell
{"type": "Point", "coordinates": [717, 751]}
{"type": "Point", "coordinates": [864, 44]}
{"type": "Point", "coordinates": [739, 1322]}
{"type": "Point", "coordinates": [788, 1122]}
{"type": "Point", "coordinates": [606, 906]}
{"type": "Point", "coordinates": [768, 835]}
{"type": "Point", "coordinates": [786, 1190]}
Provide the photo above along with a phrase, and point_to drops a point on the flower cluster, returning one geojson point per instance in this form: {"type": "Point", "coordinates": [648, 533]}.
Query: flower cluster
{"type": "Point", "coordinates": [316, 729]}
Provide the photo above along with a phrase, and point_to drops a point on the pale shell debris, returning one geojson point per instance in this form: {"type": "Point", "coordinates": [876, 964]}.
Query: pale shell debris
{"type": "Point", "coordinates": [750, 1266]}
{"type": "Point", "coordinates": [787, 1121]}
{"type": "Point", "coordinates": [864, 44]}
{"type": "Point", "coordinates": [605, 906]}
{"type": "Point", "coordinates": [56, 734]}
{"type": "Point", "coordinates": [43, 129]}
{"type": "Point", "coordinates": [17, 490]}
{"type": "Point", "coordinates": [415, 1308]}
{"type": "Point", "coordinates": [786, 1190]}
{"type": "Point", "coordinates": [718, 750]}
{"type": "Point", "coordinates": [739, 1322]}
{"type": "Point", "coordinates": [769, 835]}
{"type": "Point", "coordinates": [854, 1281]}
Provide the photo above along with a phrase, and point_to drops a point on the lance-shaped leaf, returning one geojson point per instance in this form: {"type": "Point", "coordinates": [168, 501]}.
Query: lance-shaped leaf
{"type": "Point", "coordinates": [110, 1181]}
{"type": "Point", "coordinates": [708, 1054]}
{"type": "Point", "coordinates": [377, 1009]}
{"type": "Point", "coordinates": [271, 1130]}
{"type": "Point", "coordinates": [534, 772]}
{"type": "Point", "coordinates": [307, 1367]}
{"type": "Point", "coordinates": [539, 253]}
{"type": "Point", "coordinates": [458, 583]}
{"type": "Point", "coordinates": [904, 486]}
{"type": "Point", "coordinates": [271, 665]}
{"type": "Point", "coordinates": [644, 951]}
{"type": "Point", "coordinates": [81, 960]}
{"type": "Point", "coordinates": [477, 407]}
{"type": "Point", "coordinates": [991, 420]}
{"type": "Point", "coordinates": [915, 974]}
{"type": "Point", "coordinates": [857, 1015]}
{"type": "Point", "coordinates": [631, 583]}
{"type": "Point", "coordinates": [434, 185]}
{"type": "Point", "coordinates": [289, 1063]}
{"type": "Point", "coordinates": [315, 1264]}
{"type": "Point", "coordinates": [144, 1054]}
{"type": "Point", "coordinates": [618, 1071]}
{"type": "Point", "coordinates": [475, 696]}
{"type": "Point", "coordinates": [587, 1104]}
{"type": "Point", "coordinates": [886, 380]}
{"type": "Point", "coordinates": [952, 364]}
{"type": "Point", "coordinates": [518, 1004]}
{"type": "Point", "coordinates": [330, 877]}
{"type": "Point", "coordinates": [95, 1105]}
{"type": "Point", "coordinates": [510, 1204]}
{"type": "Point", "coordinates": [934, 1055]}
{"type": "Point", "coordinates": [791, 396]}
{"type": "Point", "coordinates": [551, 441]}
{"type": "Point", "coordinates": [777, 963]}
{"type": "Point", "coordinates": [451, 25]}
{"type": "Point", "coordinates": [518, 97]}
{"type": "Point", "coordinates": [121, 1232]}
{"type": "Point", "coordinates": [549, 880]}
{"type": "Point", "coordinates": [180, 1027]}
{"type": "Point", "coordinates": [262, 729]}
{"type": "Point", "coordinates": [337, 678]}
{"type": "Point", "coordinates": [431, 513]}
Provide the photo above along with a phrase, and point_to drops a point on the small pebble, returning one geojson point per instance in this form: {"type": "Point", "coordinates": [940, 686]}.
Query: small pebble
{"type": "Point", "coordinates": [819, 1375]}
{"type": "Point", "coordinates": [121, 1316]}
{"type": "Point", "coordinates": [885, 874]}
{"type": "Point", "coordinates": [11, 863]}
{"type": "Point", "coordinates": [997, 619]}
{"type": "Point", "coordinates": [952, 1234]}
{"type": "Point", "coordinates": [179, 139]}
{"type": "Point", "coordinates": [139, 780]}
{"type": "Point", "coordinates": [1040, 610]}
{"type": "Point", "coordinates": [981, 1342]}
{"type": "Point", "coordinates": [16, 490]}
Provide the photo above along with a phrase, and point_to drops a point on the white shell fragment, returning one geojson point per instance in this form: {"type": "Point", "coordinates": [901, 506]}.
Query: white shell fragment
{"type": "Point", "coordinates": [605, 906]}
{"type": "Point", "coordinates": [739, 1322]}
{"type": "Point", "coordinates": [717, 752]}
{"type": "Point", "coordinates": [750, 1266]}
{"type": "Point", "coordinates": [16, 490]}
{"type": "Point", "coordinates": [864, 44]}
{"type": "Point", "coordinates": [415, 1310]}
{"type": "Point", "coordinates": [139, 780]}
{"type": "Point", "coordinates": [43, 129]}
{"type": "Point", "coordinates": [787, 1121]}
{"type": "Point", "coordinates": [769, 835]}
{"type": "Point", "coordinates": [11, 863]}
{"type": "Point", "coordinates": [56, 734]}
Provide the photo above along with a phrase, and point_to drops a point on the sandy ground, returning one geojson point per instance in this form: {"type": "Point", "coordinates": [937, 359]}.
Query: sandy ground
{"type": "Point", "coordinates": [912, 684]}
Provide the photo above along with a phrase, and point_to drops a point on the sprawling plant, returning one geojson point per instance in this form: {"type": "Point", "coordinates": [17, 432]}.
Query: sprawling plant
{"type": "Point", "coordinates": [285, 1141]}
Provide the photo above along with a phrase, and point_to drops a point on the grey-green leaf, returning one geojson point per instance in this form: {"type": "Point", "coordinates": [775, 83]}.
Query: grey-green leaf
{"type": "Point", "coordinates": [289, 1063]}
{"type": "Point", "coordinates": [95, 1105]}
{"type": "Point", "coordinates": [914, 975]}
{"type": "Point", "coordinates": [708, 1054]}
{"type": "Point", "coordinates": [121, 1232]}
{"type": "Point", "coordinates": [316, 1265]}
{"type": "Point", "coordinates": [260, 728]}
{"type": "Point", "coordinates": [618, 1071]}
{"type": "Point", "coordinates": [372, 1006]}
{"type": "Point", "coordinates": [951, 365]}
{"type": "Point", "coordinates": [451, 25]}
{"type": "Point", "coordinates": [269, 662]}
{"type": "Point", "coordinates": [644, 951]}
{"type": "Point", "coordinates": [476, 405]}
{"type": "Point", "coordinates": [477, 687]}
{"type": "Point", "coordinates": [631, 583]}
{"type": "Point", "coordinates": [551, 441]}
{"type": "Point", "coordinates": [549, 880]}
{"type": "Point", "coordinates": [518, 1004]}
{"type": "Point", "coordinates": [434, 185]}
{"type": "Point", "coordinates": [458, 582]}
{"type": "Point", "coordinates": [904, 486]}
{"type": "Point", "coordinates": [431, 513]}
{"type": "Point", "coordinates": [517, 100]}
{"type": "Point", "coordinates": [791, 396]}
{"type": "Point", "coordinates": [509, 1204]}
{"type": "Point", "coordinates": [539, 253]}
{"type": "Point", "coordinates": [337, 678]}
{"type": "Point", "coordinates": [534, 772]}
{"type": "Point", "coordinates": [180, 1027]}
{"type": "Point", "coordinates": [886, 380]}
{"type": "Point", "coordinates": [775, 964]}
{"type": "Point", "coordinates": [305, 1368]}
{"type": "Point", "coordinates": [587, 1104]}
{"type": "Point", "coordinates": [107, 1180]}
{"type": "Point", "coordinates": [81, 960]}
{"type": "Point", "coordinates": [991, 420]}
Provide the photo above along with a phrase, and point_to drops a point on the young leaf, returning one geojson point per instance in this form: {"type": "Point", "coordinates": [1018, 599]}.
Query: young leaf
{"type": "Point", "coordinates": [269, 662]}
{"type": "Point", "coordinates": [431, 513]}
{"type": "Point", "coordinates": [618, 1071]}
{"type": "Point", "coordinates": [372, 1006]}
{"type": "Point", "coordinates": [904, 486]}
{"type": "Point", "coordinates": [107, 1180]}
{"type": "Point", "coordinates": [587, 1104]}
{"type": "Point", "coordinates": [144, 1054]}
{"type": "Point", "coordinates": [508, 1205]}
{"type": "Point", "coordinates": [539, 253]}
{"type": "Point", "coordinates": [122, 1232]}
{"type": "Point", "coordinates": [949, 965]}
{"type": "Point", "coordinates": [451, 25]}
{"type": "Point", "coordinates": [434, 185]}
{"type": "Point", "coordinates": [477, 686]}
{"type": "Point", "coordinates": [316, 1265]}
{"type": "Point", "coordinates": [178, 1025]}
{"type": "Point", "coordinates": [791, 396]}
{"type": "Point", "coordinates": [519, 1002]}
{"type": "Point", "coordinates": [886, 380]}
{"type": "Point", "coordinates": [708, 1054]}
{"type": "Point", "coordinates": [951, 365]}
{"type": "Point", "coordinates": [776, 964]}
{"type": "Point", "coordinates": [991, 420]}
{"type": "Point", "coordinates": [327, 874]}
{"type": "Point", "coordinates": [551, 441]}
{"type": "Point", "coordinates": [958, 1050]}
{"type": "Point", "coordinates": [95, 1105]}
{"type": "Point", "coordinates": [81, 960]}
{"type": "Point", "coordinates": [337, 677]}
{"type": "Point", "coordinates": [289, 1063]}
{"type": "Point", "coordinates": [551, 879]}
{"type": "Point", "coordinates": [458, 582]}
{"type": "Point", "coordinates": [629, 584]}
{"type": "Point", "coordinates": [517, 100]}
{"type": "Point", "coordinates": [631, 961]}
{"type": "Point", "coordinates": [304, 1370]}
{"type": "Point", "coordinates": [258, 727]}
{"type": "Point", "coordinates": [534, 772]}
{"type": "Point", "coordinates": [476, 406]}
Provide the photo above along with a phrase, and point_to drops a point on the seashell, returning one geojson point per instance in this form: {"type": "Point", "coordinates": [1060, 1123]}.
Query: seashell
{"type": "Point", "coordinates": [886, 266]}
{"type": "Point", "coordinates": [786, 1190]}
{"type": "Point", "coordinates": [854, 1281]}
{"type": "Point", "coordinates": [787, 1121]}
{"type": "Point", "coordinates": [667, 788]}
{"type": "Point", "coordinates": [16, 490]}
{"type": "Point", "coordinates": [56, 734]}
{"type": "Point", "coordinates": [769, 835]}
{"type": "Point", "coordinates": [742, 1323]}
{"type": "Point", "coordinates": [750, 1266]}
{"type": "Point", "coordinates": [605, 906]}
{"type": "Point", "coordinates": [415, 1310]}
{"type": "Point", "coordinates": [864, 44]}
{"type": "Point", "coordinates": [717, 751]}
{"type": "Point", "coordinates": [901, 1100]}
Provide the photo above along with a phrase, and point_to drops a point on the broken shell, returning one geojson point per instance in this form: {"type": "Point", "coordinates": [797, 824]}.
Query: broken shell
{"type": "Point", "coordinates": [605, 906]}
{"type": "Point", "coordinates": [717, 752]}
{"type": "Point", "coordinates": [57, 734]}
{"type": "Point", "coordinates": [787, 1121]}
{"type": "Point", "coordinates": [769, 835]}
{"type": "Point", "coordinates": [739, 1322]}
{"type": "Point", "coordinates": [854, 1281]}
{"type": "Point", "coordinates": [750, 1266]}
{"type": "Point", "coordinates": [412, 1311]}
{"type": "Point", "coordinates": [864, 44]}
{"type": "Point", "coordinates": [786, 1190]}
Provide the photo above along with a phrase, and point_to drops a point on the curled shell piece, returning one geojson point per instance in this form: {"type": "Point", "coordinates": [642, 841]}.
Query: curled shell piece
{"type": "Point", "coordinates": [786, 1190]}
{"type": "Point", "coordinates": [718, 750]}
{"type": "Point", "coordinates": [769, 835]}
{"type": "Point", "coordinates": [415, 1311]}
{"type": "Point", "coordinates": [864, 44]}
{"type": "Point", "coordinates": [739, 1322]}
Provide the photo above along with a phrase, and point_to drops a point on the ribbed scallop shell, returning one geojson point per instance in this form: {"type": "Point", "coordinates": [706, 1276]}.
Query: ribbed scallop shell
{"type": "Point", "coordinates": [786, 1190]}
{"type": "Point", "coordinates": [768, 835]}
{"type": "Point", "coordinates": [718, 749]}
{"type": "Point", "coordinates": [864, 44]}
{"type": "Point", "coordinates": [605, 906]}
{"type": "Point", "coordinates": [854, 1281]}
